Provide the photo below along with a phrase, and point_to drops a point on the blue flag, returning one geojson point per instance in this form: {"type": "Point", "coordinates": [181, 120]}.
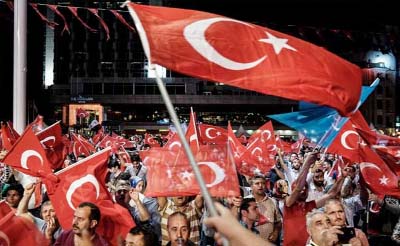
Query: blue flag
{"type": "Point", "coordinates": [320, 124]}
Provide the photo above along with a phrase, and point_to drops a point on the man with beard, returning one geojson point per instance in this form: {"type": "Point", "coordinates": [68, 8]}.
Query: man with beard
{"type": "Point", "coordinates": [86, 219]}
{"type": "Point", "coordinates": [296, 207]}
{"type": "Point", "coordinates": [192, 209]}
{"type": "Point", "coordinates": [335, 211]}
{"type": "Point", "coordinates": [316, 186]}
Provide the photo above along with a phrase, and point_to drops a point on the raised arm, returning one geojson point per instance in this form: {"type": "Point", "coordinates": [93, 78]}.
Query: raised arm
{"type": "Point", "coordinates": [301, 179]}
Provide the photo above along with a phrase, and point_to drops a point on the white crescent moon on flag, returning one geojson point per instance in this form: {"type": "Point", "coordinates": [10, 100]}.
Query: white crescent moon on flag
{"type": "Point", "coordinates": [271, 147]}
{"type": "Point", "coordinates": [208, 133]}
{"type": "Point", "coordinates": [78, 183]}
{"type": "Point", "coordinates": [108, 143]}
{"type": "Point", "coordinates": [268, 132]}
{"type": "Point", "coordinates": [218, 171]}
{"type": "Point", "coordinates": [173, 144]}
{"type": "Point", "coordinates": [256, 149]}
{"type": "Point", "coordinates": [48, 139]}
{"type": "Point", "coordinates": [5, 237]}
{"type": "Point", "coordinates": [29, 153]}
{"type": "Point", "coordinates": [194, 33]}
{"type": "Point", "coordinates": [369, 165]}
{"type": "Point", "coordinates": [343, 139]}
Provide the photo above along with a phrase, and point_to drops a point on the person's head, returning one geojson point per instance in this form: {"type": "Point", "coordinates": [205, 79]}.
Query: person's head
{"type": "Point", "coordinates": [351, 171]}
{"type": "Point", "coordinates": [296, 164]}
{"type": "Point", "coordinates": [137, 183]}
{"type": "Point", "coordinates": [47, 211]}
{"type": "Point", "coordinates": [113, 165]}
{"type": "Point", "coordinates": [122, 189]}
{"type": "Point", "coordinates": [180, 201]}
{"type": "Point", "coordinates": [335, 211]}
{"type": "Point", "coordinates": [178, 227]}
{"type": "Point", "coordinates": [86, 217]}
{"type": "Point", "coordinates": [135, 161]}
{"type": "Point", "coordinates": [258, 185]}
{"type": "Point", "coordinates": [249, 211]}
{"type": "Point", "coordinates": [13, 194]}
{"type": "Point", "coordinates": [293, 156]}
{"type": "Point", "coordinates": [318, 178]}
{"type": "Point", "coordinates": [281, 188]}
{"type": "Point", "coordinates": [316, 222]}
{"type": "Point", "coordinates": [326, 165]}
{"type": "Point", "coordinates": [137, 236]}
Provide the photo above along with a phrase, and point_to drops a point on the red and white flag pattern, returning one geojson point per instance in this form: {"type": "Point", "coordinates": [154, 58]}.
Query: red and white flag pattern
{"type": "Point", "coordinates": [208, 46]}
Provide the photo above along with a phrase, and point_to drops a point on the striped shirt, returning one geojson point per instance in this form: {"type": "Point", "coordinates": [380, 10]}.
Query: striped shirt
{"type": "Point", "coordinates": [192, 213]}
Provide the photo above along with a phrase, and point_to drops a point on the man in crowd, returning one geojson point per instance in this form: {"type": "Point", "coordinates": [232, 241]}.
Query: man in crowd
{"type": "Point", "coordinates": [320, 230]}
{"type": "Point", "coordinates": [270, 229]}
{"type": "Point", "coordinates": [48, 223]}
{"type": "Point", "coordinates": [13, 195]}
{"type": "Point", "coordinates": [335, 211]}
{"type": "Point", "coordinates": [84, 224]}
{"type": "Point", "coordinates": [192, 209]}
{"type": "Point", "coordinates": [138, 236]}
{"type": "Point", "coordinates": [178, 230]}
{"type": "Point", "coordinates": [249, 214]}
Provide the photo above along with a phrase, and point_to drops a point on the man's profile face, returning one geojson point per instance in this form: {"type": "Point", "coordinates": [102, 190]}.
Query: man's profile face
{"type": "Point", "coordinates": [134, 240]}
{"type": "Point", "coordinates": [336, 214]}
{"type": "Point", "coordinates": [178, 230]}
{"type": "Point", "coordinates": [13, 198]}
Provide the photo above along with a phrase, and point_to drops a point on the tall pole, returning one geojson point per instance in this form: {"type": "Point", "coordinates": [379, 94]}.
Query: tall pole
{"type": "Point", "coordinates": [19, 89]}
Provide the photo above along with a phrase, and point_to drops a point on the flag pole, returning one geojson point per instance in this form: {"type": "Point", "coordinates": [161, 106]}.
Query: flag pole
{"type": "Point", "coordinates": [199, 177]}
{"type": "Point", "coordinates": [192, 161]}
{"type": "Point", "coordinates": [19, 88]}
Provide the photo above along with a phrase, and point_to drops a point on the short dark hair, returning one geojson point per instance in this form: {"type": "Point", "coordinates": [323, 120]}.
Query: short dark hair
{"type": "Point", "coordinates": [149, 237]}
{"type": "Point", "coordinates": [17, 187]}
{"type": "Point", "coordinates": [94, 211]}
{"type": "Point", "coordinates": [246, 203]}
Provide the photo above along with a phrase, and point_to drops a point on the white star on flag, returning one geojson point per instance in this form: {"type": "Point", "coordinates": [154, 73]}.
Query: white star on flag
{"type": "Point", "coordinates": [277, 43]}
{"type": "Point", "coordinates": [186, 175]}
{"type": "Point", "coordinates": [383, 180]}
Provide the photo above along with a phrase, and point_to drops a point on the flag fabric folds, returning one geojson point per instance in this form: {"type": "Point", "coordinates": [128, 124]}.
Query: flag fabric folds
{"type": "Point", "coordinates": [170, 174]}
{"type": "Point", "coordinates": [210, 46]}
{"type": "Point", "coordinates": [84, 181]}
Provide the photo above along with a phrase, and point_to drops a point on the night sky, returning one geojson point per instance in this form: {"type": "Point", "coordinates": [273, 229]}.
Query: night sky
{"type": "Point", "coordinates": [284, 15]}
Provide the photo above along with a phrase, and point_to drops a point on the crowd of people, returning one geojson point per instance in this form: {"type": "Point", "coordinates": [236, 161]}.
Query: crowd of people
{"type": "Point", "coordinates": [300, 201]}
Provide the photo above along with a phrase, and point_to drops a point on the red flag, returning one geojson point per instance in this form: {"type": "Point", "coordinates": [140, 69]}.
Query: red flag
{"type": "Point", "coordinates": [121, 19]}
{"type": "Point", "coordinates": [18, 231]}
{"type": "Point", "coordinates": [7, 138]}
{"type": "Point", "coordinates": [286, 147]}
{"type": "Point", "coordinates": [150, 140]}
{"type": "Point", "coordinates": [28, 156]}
{"type": "Point", "coordinates": [55, 10]}
{"type": "Point", "coordinates": [377, 175]}
{"type": "Point", "coordinates": [51, 136]}
{"type": "Point", "coordinates": [212, 134]}
{"type": "Point", "coordinates": [81, 113]}
{"type": "Point", "coordinates": [84, 182]}
{"type": "Point", "coordinates": [209, 46]}
{"type": "Point", "coordinates": [174, 143]}
{"type": "Point", "coordinates": [98, 136]}
{"type": "Point", "coordinates": [391, 156]}
{"type": "Point", "coordinates": [49, 23]}
{"type": "Point", "coordinates": [170, 174]}
{"type": "Point", "coordinates": [81, 146]}
{"type": "Point", "coordinates": [348, 141]}
{"type": "Point", "coordinates": [74, 11]}
{"type": "Point", "coordinates": [236, 148]}
{"type": "Point", "coordinates": [374, 138]}
{"type": "Point", "coordinates": [296, 146]}
{"type": "Point", "coordinates": [192, 135]}
{"type": "Point", "coordinates": [102, 22]}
